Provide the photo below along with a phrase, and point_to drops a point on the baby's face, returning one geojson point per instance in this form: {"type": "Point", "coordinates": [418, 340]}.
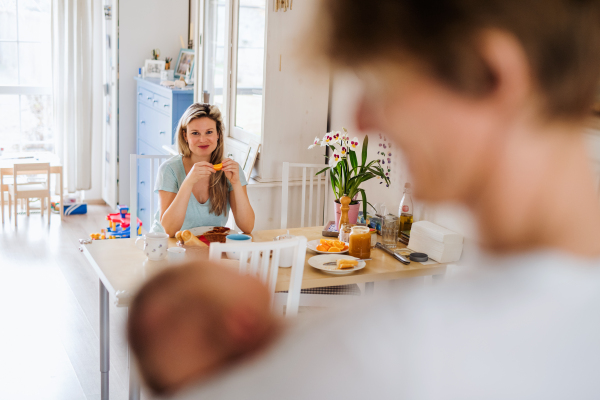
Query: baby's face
{"type": "Point", "coordinates": [232, 321]}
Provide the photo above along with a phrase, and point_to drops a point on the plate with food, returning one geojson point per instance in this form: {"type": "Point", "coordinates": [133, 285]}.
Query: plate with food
{"type": "Point", "coordinates": [327, 246]}
{"type": "Point", "coordinates": [343, 264]}
{"type": "Point", "coordinates": [202, 236]}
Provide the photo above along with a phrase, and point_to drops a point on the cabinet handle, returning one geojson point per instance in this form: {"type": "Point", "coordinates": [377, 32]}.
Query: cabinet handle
{"type": "Point", "coordinates": [142, 183]}
{"type": "Point", "coordinates": [166, 105]}
{"type": "Point", "coordinates": [149, 97]}
{"type": "Point", "coordinates": [142, 122]}
{"type": "Point", "coordinates": [162, 132]}
{"type": "Point", "coordinates": [156, 101]}
{"type": "Point", "coordinates": [140, 93]}
{"type": "Point", "coordinates": [142, 209]}
{"type": "Point", "coordinates": [143, 154]}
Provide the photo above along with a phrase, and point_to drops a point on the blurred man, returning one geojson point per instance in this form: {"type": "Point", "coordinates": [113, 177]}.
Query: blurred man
{"type": "Point", "coordinates": [488, 100]}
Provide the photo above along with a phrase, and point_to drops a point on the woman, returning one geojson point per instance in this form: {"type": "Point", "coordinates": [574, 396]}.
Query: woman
{"type": "Point", "coordinates": [191, 191]}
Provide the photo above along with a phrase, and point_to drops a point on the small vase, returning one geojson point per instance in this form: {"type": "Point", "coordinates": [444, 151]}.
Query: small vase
{"type": "Point", "coordinates": [352, 213]}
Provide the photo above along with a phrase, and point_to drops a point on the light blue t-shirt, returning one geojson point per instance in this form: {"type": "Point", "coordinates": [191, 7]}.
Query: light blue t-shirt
{"type": "Point", "coordinates": [171, 175]}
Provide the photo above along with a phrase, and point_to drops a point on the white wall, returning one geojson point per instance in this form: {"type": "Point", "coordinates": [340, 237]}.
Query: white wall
{"type": "Point", "coordinates": [143, 25]}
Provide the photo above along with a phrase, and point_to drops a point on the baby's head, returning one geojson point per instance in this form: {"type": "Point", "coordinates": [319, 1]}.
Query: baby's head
{"type": "Point", "coordinates": [188, 322]}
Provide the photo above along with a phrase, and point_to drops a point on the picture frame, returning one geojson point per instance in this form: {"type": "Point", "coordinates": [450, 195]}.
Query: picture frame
{"type": "Point", "coordinates": [185, 63]}
{"type": "Point", "coordinates": [154, 68]}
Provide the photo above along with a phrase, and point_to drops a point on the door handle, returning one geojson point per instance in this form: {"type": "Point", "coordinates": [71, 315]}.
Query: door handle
{"type": "Point", "coordinates": [162, 132]}
{"type": "Point", "coordinates": [166, 105]}
{"type": "Point", "coordinates": [142, 122]}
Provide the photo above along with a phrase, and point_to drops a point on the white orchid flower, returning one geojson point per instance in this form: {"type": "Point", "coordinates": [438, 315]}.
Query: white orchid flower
{"type": "Point", "coordinates": [354, 143]}
{"type": "Point", "coordinates": [316, 142]}
{"type": "Point", "coordinates": [334, 159]}
{"type": "Point", "coordinates": [344, 151]}
{"type": "Point", "coordinates": [328, 138]}
{"type": "Point", "coordinates": [337, 137]}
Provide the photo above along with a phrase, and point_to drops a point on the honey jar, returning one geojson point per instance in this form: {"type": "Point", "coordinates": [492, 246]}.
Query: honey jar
{"type": "Point", "coordinates": [360, 242]}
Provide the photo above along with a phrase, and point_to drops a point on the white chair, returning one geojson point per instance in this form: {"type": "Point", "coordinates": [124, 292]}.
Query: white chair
{"type": "Point", "coordinates": [331, 296]}
{"type": "Point", "coordinates": [153, 163]}
{"type": "Point", "coordinates": [266, 267]}
{"type": "Point", "coordinates": [320, 205]}
{"type": "Point", "coordinates": [28, 191]}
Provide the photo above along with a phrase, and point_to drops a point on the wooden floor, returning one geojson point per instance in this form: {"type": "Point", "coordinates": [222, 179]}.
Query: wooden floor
{"type": "Point", "coordinates": [49, 323]}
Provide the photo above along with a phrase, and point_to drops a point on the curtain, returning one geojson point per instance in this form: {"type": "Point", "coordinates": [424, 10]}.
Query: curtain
{"type": "Point", "coordinates": [72, 89]}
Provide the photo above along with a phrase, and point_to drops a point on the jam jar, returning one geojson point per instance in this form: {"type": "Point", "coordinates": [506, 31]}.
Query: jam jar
{"type": "Point", "coordinates": [360, 242]}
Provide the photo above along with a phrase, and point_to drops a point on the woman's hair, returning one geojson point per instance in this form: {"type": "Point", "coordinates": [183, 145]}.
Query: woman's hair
{"type": "Point", "coordinates": [561, 39]}
{"type": "Point", "coordinates": [218, 191]}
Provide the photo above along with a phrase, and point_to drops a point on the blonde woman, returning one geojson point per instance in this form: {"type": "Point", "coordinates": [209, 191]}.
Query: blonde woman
{"type": "Point", "coordinates": [191, 192]}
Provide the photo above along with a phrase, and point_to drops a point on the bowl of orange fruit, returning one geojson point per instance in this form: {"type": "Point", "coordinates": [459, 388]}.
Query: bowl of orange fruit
{"type": "Point", "coordinates": [328, 246]}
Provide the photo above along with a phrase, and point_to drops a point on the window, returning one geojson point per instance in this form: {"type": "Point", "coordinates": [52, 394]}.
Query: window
{"type": "Point", "coordinates": [234, 79]}
{"type": "Point", "coordinates": [25, 76]}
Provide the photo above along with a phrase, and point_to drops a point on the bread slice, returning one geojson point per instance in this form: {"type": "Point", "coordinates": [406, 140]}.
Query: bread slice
{"type": "Point", "coordinates": [217, 234]}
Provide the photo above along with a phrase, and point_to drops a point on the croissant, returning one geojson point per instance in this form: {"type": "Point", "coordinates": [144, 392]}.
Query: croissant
{"type": "Point", "coordinates": [190, 240]}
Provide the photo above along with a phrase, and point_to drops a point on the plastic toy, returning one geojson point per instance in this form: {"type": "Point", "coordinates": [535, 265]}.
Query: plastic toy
{"type": "Point", "coordinates": [118, 226]}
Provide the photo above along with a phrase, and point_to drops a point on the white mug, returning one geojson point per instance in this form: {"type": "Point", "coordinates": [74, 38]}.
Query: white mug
{"type": "Point", "coordinates": [236, 238]}
{"type": "Point", "coordinates": [154, 245]}
{"type": "Point", "coordinates": [176, 254]}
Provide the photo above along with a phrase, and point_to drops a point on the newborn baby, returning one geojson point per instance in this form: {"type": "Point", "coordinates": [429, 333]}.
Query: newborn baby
{"type": "Point", "coordinates": [189, 322]}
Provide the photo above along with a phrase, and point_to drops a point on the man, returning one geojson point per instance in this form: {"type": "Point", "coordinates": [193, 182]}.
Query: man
{"type": "Point", "coordinates": [488, 100]}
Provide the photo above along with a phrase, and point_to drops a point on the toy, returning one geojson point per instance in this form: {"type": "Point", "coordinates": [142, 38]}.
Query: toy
{"type": "Point", "coordinates": [118, 226]}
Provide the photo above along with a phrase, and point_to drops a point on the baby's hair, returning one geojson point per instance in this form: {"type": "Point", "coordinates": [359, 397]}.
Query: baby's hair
{"type": "Point", "coordinates": [166, 301]}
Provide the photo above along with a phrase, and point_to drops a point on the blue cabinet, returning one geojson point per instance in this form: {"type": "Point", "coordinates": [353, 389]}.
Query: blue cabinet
{"type": "Point", "coordinates": [158, 112]}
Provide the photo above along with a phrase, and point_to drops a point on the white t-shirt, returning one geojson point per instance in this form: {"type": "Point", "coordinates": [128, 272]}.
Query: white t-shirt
{"type": "Point", "coordinates": [525, 327]}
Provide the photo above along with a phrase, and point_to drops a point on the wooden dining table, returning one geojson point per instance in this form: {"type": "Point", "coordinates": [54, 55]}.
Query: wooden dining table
{"type": "Point", "coordinates": [8, 161]}
{"type": "Point", "coordinates": [122, 268]}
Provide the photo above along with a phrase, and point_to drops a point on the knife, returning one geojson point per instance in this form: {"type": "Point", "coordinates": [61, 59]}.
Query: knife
{"type": "Point", "coordinates": [393, 254]}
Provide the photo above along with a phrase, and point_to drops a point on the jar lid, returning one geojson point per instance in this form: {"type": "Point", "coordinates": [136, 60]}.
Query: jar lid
{"type": "Point", "coordinates": [419, 257]}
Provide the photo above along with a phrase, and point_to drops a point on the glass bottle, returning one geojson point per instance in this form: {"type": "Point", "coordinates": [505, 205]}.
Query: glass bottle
{"type": "Point", "coordinates": [405, 212]}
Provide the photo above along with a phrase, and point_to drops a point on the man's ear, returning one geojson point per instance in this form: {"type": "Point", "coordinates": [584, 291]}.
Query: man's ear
{"type": "Point", "coordinates": [508, 62]}
{"type": "Point", "coordinates": [243, 324]}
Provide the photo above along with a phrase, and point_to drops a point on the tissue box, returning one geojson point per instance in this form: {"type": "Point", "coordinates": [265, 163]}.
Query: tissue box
{"type": "Point", "coordinates": [440, 244]}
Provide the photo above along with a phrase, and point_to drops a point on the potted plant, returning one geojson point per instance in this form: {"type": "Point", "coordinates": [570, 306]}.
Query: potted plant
{"type": "Point", "coordinates": [347, 174]}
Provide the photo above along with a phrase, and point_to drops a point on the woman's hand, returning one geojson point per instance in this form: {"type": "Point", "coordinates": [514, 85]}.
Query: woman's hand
{"type": "Point", "coordinates": [232, 170]}
{"type": "Point", "coordinates": [199, 171]}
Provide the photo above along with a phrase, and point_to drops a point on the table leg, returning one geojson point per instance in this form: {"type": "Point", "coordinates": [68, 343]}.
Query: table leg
{"type": "Point", "coordinates": [369, 288]}
{"type": "Point", "coordinates": [437, 278]}
{"type": "Point", "coordinates": [104, 342]}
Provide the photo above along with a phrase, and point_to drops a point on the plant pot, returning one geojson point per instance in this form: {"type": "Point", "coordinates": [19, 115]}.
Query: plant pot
{"type": "Point", "coordinates": [352, 213]}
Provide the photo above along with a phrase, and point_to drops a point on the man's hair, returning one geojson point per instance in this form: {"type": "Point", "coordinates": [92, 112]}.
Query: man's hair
{"type": "Point", "coordinates": [561, 39]}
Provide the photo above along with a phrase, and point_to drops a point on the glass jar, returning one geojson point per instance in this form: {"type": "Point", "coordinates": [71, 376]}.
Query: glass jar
{"type": "Point", "coordinates": [360, 242]}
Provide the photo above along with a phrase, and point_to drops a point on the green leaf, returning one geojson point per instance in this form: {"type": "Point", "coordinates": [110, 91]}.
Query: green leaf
{"type": "Point", "coordinates": [365, 202]}
{"type": "Point", "coordinates": [353, 160]}
{"type": "Point", "coordinates": [364, 149]}
{"type": "Point", "coordinates": [321, 171]}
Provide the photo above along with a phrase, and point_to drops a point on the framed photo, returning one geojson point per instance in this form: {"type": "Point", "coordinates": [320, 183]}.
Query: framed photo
{"type": "Point", "coordinates": [154, 68]}
{"type": "Point", "coordinates": [185, 63]}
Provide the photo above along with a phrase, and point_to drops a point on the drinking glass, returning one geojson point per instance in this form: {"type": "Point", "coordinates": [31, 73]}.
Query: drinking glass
{"type": "Point", "coordinates": [389, 231]}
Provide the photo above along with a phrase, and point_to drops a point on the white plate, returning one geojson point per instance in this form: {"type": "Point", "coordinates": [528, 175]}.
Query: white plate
{"type": "Point", "coordinates": [312, 246]}
{"type": "Point", "coordinates": [318, 261]}
{"type": "Point", "coordinates": [201, 230]}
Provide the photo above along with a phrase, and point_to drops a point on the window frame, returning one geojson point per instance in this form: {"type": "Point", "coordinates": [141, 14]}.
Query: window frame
{"type": "Point", "coordinates": [24, 90]}
{"type": "Point", "coordinates": [230, 84]}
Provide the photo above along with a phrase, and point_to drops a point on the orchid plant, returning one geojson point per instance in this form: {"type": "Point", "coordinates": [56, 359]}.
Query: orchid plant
{"type": "Point", "coordinates": [346, 173]}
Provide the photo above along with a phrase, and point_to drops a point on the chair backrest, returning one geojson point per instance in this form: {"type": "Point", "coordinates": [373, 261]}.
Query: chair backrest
{"type": "Point", "coordinates": [31, 169]}
{"type": "Point", "coordinates": [265, 266]}
{"type": "Point", "coordinates": [153, 161]}
{"type": "Point", "coordinates": [321, 202]}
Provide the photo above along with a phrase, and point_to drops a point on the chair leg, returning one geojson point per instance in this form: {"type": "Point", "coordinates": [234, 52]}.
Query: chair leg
{"type": "Point", "coordinates": [49, 209]}
{"type": "Point", "coordinates": [26, 206]}
{"type": "Point", "coordinates": [16, 201]}
{"type": "Point", "coordinates": [42, 202]}
{"type": "Point", "coordinates": [2, 201]}
{"type": "Point", "coordinates": [9, 207]}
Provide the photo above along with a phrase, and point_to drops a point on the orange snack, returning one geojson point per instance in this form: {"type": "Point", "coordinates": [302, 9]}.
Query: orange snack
{"type": "Point", "coordinates": [333, 250]}
{"type": "Point", "coordinates": [338, 243]}
{"type": "Point", "coordinates": [322, 248]}
{"type": "Point", "coordinates": [346, 247]}
{"type": "Point", "coordinates": [218, 167]}
{"type": "Point", "coordinates": [325, 241]}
